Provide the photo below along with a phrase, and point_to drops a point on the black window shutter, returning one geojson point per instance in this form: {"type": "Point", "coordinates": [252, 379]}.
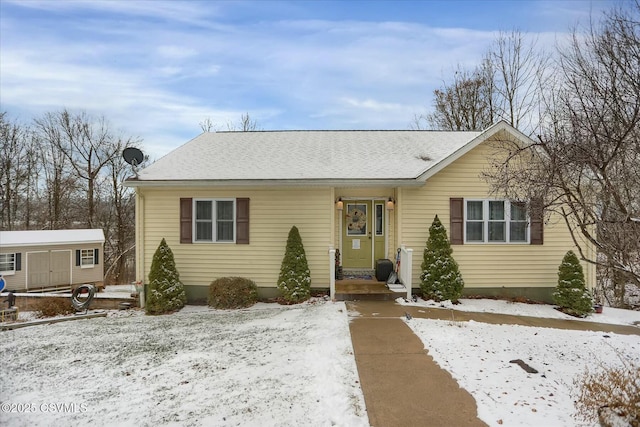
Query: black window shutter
{"type": "Point", "coordinates": [536, 214]}
{"type": "Point", "coordinates": [186, 217]}
{"type": "Point", "coordinates": [96, 256]}
{"type": "Point", "coordinates": [18, 261]}
{"type": "Point", "coordinates": [456, 222]}
{"type": "Point", "coordinates": [242, 221]}
{"type": "Point", "coordinates": [77, 257]}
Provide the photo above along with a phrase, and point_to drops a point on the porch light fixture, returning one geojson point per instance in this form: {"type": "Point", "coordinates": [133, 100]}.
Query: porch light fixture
{"type": "Point", "coordinates": [391, 204]}
{"type": "Point", "coordinates": [339, 204]}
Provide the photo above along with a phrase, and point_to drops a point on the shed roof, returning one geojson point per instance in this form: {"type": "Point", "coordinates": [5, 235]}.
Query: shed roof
{"type": "Point", "coordinates": [308, 156]}
{"type": "Point", "coordinates": [50, 237]}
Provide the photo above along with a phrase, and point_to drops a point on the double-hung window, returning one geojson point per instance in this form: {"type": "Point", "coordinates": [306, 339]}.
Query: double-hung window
{"type": "Point", "coordinates": [496, 221]}
{"type": "Point", "coordinates": [7, 263]}
{"type": "Point", "coordinates": [87, 258]}
{"type": "Point", "coordinates": [214, 220]}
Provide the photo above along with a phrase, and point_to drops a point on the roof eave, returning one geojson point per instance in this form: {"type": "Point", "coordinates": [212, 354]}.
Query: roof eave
{"type": "Point", "coordinates": [486, 134]}
{"type": "Point", "coordinates": [401, 182]}
{"type": "Point", "coordinates": [52, 243]}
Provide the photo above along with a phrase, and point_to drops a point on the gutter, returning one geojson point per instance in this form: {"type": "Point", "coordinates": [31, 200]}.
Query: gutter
{"type": "Point", "coordinates": [404, 182]}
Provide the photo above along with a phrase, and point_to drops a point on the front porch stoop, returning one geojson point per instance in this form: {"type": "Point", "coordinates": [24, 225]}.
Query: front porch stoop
{"type": "Point", "coordinates": [365, 290]}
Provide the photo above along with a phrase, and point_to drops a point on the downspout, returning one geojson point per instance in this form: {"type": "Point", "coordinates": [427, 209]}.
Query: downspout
{"type": "Point", "coordinates": [398, 219]}
{"type": "Point", "coordinates": [332, 251]}
{"type": "Point", "coordinates": [140, 262]}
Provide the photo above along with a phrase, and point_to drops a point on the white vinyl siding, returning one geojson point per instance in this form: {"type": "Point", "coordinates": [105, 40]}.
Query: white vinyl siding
{"type": "Point", "coordinates": [7, 263]}
{"type": "Point", "coordinates": [495, 221]}
{"type": "Point", "coordinates": [214, 220]}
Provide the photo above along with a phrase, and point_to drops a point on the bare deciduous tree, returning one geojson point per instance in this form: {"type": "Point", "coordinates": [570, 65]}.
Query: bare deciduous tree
{"type": "Point", "coordinates": [518, 70]}
{"type": "Point", "coordinates": [59, 186]}
{"type": "Point", "coordinates": [54, 166]}
{"type": "Point", "coordinates": [504, 87]}
{"type": "Point", "coordinates": [119, 217]}
{"type": "Point", "coordinates": [465, 104]}
{"type": "Point", "coordinates": [586, 160]}
{"type": "Point", "coordinates": [245, 124]}
{"type": "Point", "coordinates": [88, 144]}
{"type": "Point", "coordinates": [12, 170]}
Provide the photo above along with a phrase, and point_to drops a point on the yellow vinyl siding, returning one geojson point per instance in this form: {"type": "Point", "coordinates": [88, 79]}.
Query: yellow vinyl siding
{"type": "Point", "coordinates": [273, 210]}
{"type": "Point", "coordinates": [481, 265]}
{"type": "Point", "coordinates": [272, 214]}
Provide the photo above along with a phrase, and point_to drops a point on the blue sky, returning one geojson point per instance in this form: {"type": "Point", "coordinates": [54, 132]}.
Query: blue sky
{"type": "Point", "coordinates": [157, 69]}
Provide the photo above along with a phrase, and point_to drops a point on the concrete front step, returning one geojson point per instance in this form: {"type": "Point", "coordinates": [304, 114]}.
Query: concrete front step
{"type": "Point", "coordinates": [391, 296]}
{"type": "Point", "coordinates": [365, 290]}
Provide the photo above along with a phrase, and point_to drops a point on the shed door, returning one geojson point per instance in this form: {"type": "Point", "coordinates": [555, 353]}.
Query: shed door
{"type": "Point", "coordinates": [51, 268]}
{"type": "Point", "coordinates": [60, 268]}
{"type": "Point", "coordinates": [38, 273]}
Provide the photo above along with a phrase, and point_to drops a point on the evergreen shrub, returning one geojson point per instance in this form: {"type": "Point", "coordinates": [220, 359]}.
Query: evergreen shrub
{"type": "Point", "coordinates": [571, 294]}
{"type": "Point", "coordinates": [440, 279]}
{"type": "Point", "coordinates": [295, 278]}
{"type": "Point", "coordinates": [165, 292]}
{"type": "Point", "coordinates": [232, 292]}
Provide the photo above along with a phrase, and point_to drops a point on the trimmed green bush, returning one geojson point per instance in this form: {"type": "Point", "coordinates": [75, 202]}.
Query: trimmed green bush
{"type": "Point", "coordinates": [165, 292]}
{"type": "Point", "coordinates": [441, 278]}
{"type": "Point", "coordinates": [295, 278]}
{"type": "Point", "coordinates": [232, 292]}
{"type": "Point", "coordinates": [571, 294]}
{"type": "Point", "coordinates": [53, 306]}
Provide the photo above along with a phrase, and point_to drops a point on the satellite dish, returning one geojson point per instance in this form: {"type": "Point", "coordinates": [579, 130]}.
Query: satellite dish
{"type": "Point", "coordinates": [133, 156]}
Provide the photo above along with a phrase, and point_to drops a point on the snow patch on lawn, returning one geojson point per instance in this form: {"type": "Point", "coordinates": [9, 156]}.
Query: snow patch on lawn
{"type": "Point", "coordinates": [269, 365]}
{"type": "Point", "coordinates": [614, 316]}
{"type": "Point", "coordinates": [478, 356]}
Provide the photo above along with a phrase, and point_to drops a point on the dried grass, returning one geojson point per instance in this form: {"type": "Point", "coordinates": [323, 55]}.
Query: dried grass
{"type": "Point", "coordinates": [610, 395]}
{"type": "Point", "coordinates": [53, 306]}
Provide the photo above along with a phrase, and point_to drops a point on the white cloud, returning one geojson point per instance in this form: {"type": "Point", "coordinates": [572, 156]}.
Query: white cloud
{"type": "Point", "coordinates": [176, 52]}
{"type": "Point", "coordinates": [371, 104]}
{"type": "Point", "coordinates": [159, 68]}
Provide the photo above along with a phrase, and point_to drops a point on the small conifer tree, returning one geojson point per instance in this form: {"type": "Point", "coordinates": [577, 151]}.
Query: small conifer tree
{"type": "Point", "coordinates": [441, 278]}
{"type": "Point", "coordinates": [166, 291]}
{"type": "Point", "coordinates": [571, 294]}
{"type": "Point", "coordinates": [295, 279]}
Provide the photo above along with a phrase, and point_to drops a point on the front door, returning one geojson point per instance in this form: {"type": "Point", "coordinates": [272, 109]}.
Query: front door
{"type": "Point", "coordinates": [357, 237]}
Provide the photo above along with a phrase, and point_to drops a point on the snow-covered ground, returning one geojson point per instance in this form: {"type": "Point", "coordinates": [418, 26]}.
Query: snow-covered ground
{"type": "Point", "coordinates": [269, 365]}
{"type": "Point", "coordinates": [614, 316]}
{"type": "Point", "coordinates": [478, 356]}
{"type": "Point", "coordinates": [277, 365]}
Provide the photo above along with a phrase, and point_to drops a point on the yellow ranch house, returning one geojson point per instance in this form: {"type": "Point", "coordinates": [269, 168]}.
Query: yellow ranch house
{"type": "Point", "coordinates": [225, 202]}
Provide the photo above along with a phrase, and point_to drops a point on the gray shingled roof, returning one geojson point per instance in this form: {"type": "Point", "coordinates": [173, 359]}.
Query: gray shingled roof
{"type": "Point", "coordinates": [307, 155]}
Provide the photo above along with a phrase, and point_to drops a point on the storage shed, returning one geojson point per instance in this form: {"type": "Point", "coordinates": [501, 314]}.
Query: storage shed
{"type": "Point", "coordinates": [34, 260]}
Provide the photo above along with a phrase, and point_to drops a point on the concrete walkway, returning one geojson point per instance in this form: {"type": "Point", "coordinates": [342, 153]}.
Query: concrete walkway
{"type": "Point", "coordinates": [402, 384]}
{"type": "Point", "coordinates": [380, 309]}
